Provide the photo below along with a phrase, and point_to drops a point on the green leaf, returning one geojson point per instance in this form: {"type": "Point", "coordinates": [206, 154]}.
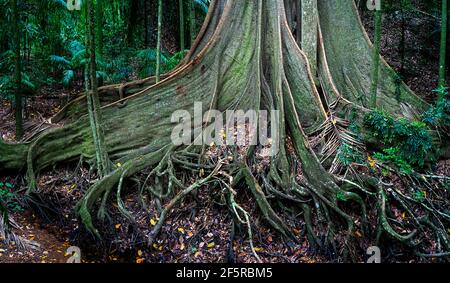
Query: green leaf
{"type": "Point", "coordinates": [68, 77]}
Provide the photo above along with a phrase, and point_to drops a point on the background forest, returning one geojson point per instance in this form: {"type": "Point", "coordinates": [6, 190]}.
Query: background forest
{"type": "Point", "coordinates": [46, 60]}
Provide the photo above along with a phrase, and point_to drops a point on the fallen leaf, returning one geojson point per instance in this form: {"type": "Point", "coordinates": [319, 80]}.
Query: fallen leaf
{"type": "Point", "coordinates": [211, 245]}
{"type": "Point", "coordinates": [118, 226]}
{"type": "Point", "coordinates": [139, 260]}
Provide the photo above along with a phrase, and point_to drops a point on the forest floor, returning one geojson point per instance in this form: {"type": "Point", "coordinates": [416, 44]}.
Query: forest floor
{"type": "Point", "coordinates": [201, 231]}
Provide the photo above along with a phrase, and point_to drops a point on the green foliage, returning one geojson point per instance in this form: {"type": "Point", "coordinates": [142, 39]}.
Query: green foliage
{"type": "Point", "coordinates": [119, 69]}
{"type": "Point", "coordinates": [393, 155]}
{"type": "Point", "coordinates": [202, 5]}
{"type": "Point", "coordinates": [438, 114]}
{"type": "Point", "coordinates": [70, 68]}
{"type": "Point", "coordinates": [174, 60]}
{"type": "Point", "coordinates": [419, 196]}
{"type": "Point", "coordinates": [147, 57]}
{"type": "Point", "coordinates": [347, 155]}
{"type": "Point", "coordinates": [53, 41]}
{"type": "Point", "coordinates": [8, 198]}
{"type": "Point", "coordinates": [7, 84]}
{"type": "Point", "coordinates": [406, 143]}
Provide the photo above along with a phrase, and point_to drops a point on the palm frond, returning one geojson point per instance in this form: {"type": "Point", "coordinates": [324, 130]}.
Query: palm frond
{"type": "Point", "coordinates": [202, 5]}
{"type": "Point", "coordinates": [7, 224]}
{"type": "Point", "coordinates": [59, 60]}
{"type": "Point", "coordinates": [335, 136]}
{"type": "Point", "coordinates": [102, 75]}
{"type": "Point", "coordinates": [68, 76]}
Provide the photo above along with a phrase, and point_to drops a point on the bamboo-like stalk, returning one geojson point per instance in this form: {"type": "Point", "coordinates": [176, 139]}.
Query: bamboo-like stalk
{"type": "Point", "coordinates": [376, 57]}
{"type": "Point", "coordinates": [18, 72]}
{"type": "Point", "coordinates": [158, 43]}
{"type": "Point", "coordinates": [443, 49]}
{"type": "Point", "coordinates": [181, 15]}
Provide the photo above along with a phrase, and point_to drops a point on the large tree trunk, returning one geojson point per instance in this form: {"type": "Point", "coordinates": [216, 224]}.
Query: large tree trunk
{"type": "Point", "coordinates": [245, 57]}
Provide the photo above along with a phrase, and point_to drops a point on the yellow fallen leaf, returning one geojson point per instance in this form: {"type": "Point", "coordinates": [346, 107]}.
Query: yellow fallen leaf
{"type": "Point", "coordinates": [181, 230]}
{"type": "Point", "coordinates": [119, 164]}
{"type": "Point", "coordinates": [201, 173]}
{"type": "Point", "coordinates": [139, 253]}
{"type": "Point", "coordinates": [118, 226]}
{"type": "Point", "coordinates": [190, 234]}
{"type": "Point", "coordinates": [153, 222]}
{"type": "Point", "coordinates": [139, 260]}
{"type": "Point", "coordinates": [403, 215]}
{"type": "Point", "coordinates": [211, 245]}
{"type": "Point", "coordinates": [258, 249]}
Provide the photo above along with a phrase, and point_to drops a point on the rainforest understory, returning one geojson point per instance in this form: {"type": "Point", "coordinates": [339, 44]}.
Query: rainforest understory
{"type": "Point", "coordinates": [244, 58]}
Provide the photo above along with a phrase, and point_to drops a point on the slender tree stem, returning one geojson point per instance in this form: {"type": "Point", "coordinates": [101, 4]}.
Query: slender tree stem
{"type": "Point", "coordinates": [181, 11]}
{"type": "Point", "coordinates": [158, 44]}
{"type": "Point", "coordinates": [376, 58]}
{"type": "Point", "coordinates": [98, 136]}
{"type": "Point", "coordinates": [192, 20]}
{"type": "Point", "coordinates": [443, 51]}
{"type": "Point", "coordinates": [18, 72]}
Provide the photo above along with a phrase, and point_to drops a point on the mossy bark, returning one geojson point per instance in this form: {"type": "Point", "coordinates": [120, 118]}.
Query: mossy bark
{"type": "Point", "coordinates": [444, 39]}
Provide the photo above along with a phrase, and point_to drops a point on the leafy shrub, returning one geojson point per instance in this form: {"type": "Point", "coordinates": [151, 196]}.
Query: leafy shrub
{"type": "Point", "coordinates": [438, 114]}
{"type": "Point", "coordinates": [348, 154]}
{"type": "Point", "coordinates": [7, 83]}
{"type": "Point", "coordinates": [70, 68]}
{"type": "Point", "coordinates": [8, 198]}
{"type": "Point", "coordinates": [407, 143]}
{"type": "Point", "coordinates": [147, 58]}
{"type": "Point", "coordinates": [393, 155]}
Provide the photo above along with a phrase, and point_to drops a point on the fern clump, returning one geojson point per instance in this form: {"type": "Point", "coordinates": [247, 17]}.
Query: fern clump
{"type": "Point", "coordinates": [406, 144]}
{"type": "Point", "coordinates": [438, 114]}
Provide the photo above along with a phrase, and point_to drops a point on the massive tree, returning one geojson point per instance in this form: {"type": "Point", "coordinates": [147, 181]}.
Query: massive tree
{"type": "Point", "coordinates": [246, 57]}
